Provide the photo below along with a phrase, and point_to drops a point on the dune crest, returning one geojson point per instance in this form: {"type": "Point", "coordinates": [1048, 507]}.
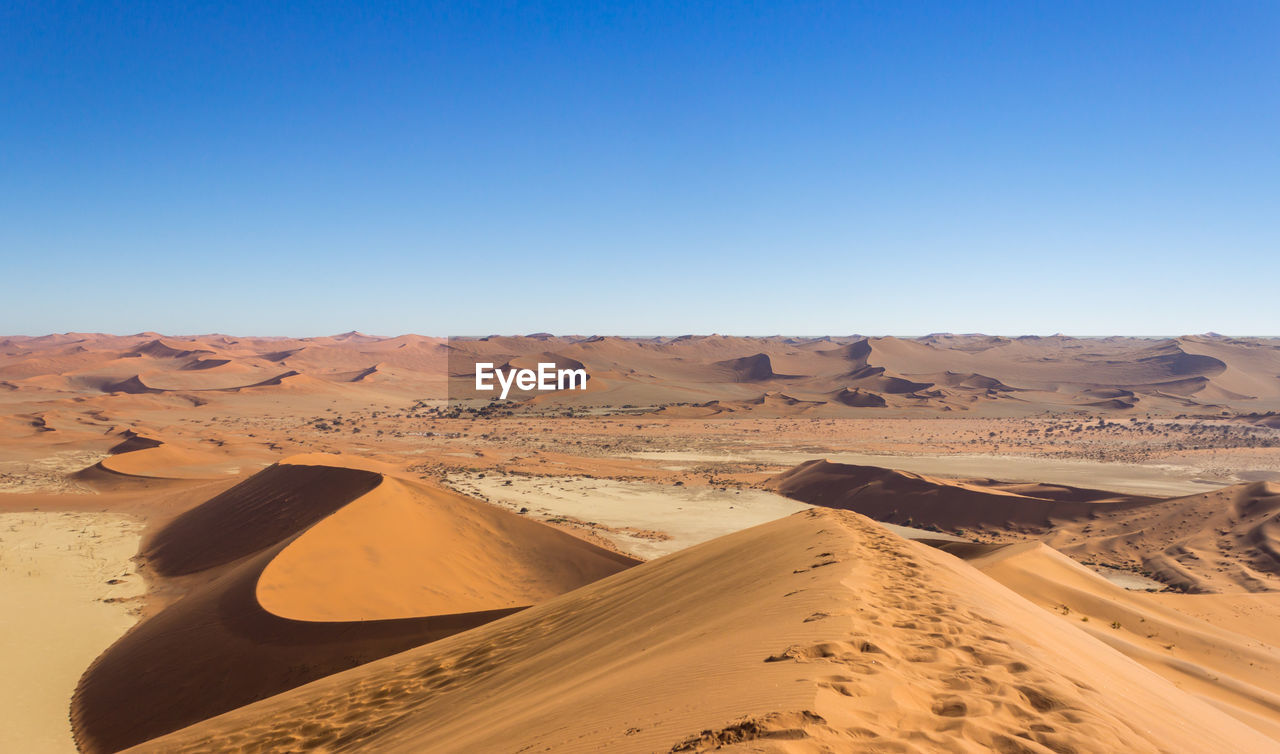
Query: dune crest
{"type": "Point", "coordinates": [404, 550]}
{"type": "Point", "coordinates": [358, 580]}
{"type": "Point", "coordinates": [832, 634]}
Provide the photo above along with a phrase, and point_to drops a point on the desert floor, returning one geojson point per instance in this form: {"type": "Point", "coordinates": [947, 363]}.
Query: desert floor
{"type": "Point", "coordinates": [68, 589]}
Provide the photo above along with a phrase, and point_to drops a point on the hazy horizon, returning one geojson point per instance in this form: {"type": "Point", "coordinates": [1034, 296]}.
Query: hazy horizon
{"type": "Point", "coordinates": [641, 336]}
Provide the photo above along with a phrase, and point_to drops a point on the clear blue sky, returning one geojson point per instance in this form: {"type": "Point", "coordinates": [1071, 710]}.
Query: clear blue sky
{"type": "Point", "coordinates": [803, 168]}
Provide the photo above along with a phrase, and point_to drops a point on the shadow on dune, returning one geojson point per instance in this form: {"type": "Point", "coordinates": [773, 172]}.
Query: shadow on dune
{"type": "Point", "coordinates": [218, 648]}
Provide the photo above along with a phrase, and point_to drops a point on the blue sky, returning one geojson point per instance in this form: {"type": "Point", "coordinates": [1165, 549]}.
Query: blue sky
{"type": "Point", "coordinates": [800, 168]}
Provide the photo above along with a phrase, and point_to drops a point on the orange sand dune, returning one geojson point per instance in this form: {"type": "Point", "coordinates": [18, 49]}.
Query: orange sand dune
{"type": "Point", "coordinates": [261, 511]}
{"type": "Point", "coordinates": [901, 497]}
{"type": "Point", "coordinates": [356, 550]}
{"type": "Point", "coordinates": [163, 461]}
{"type": "Point", "coordinates": [859, 398]}
{"type": "Point", "coordinates": [133, 441]}
{"type": "Point", "coordinates": [1221, 541]}
{"type": "Point", "coordinates": [405, 550]}
{"type": "Point", "coordinates": [753, 368]}
{"type": "Point", "coordinates": [1239, 674]}
{"type": "Point", "coordinates": [817, 632]}
{"type": "Point", "coordinates": [1248, 369]}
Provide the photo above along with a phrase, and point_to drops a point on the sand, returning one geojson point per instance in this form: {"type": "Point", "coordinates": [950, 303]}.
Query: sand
{"type": "Point", "coordinates": [307, 568]}
{"type": "Point", "coordinates": [405, 550]}
{"type": "Point", "coordinates": [643, 519]}
{"type": "Point", "coordinates": [1226, 540]}
{"type": "Point", "coordinates": [1137, 479]}
{"type": "Point", "coordinates": [346, 580]}
{"type": "Point", "coordinates": [58, 610]}
{"type": "Point", "coordinates": [832, 635]}
{"type": "Point", "coordinates": [1234, 671]}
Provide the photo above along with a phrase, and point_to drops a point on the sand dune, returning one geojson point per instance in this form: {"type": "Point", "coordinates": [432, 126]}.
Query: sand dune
{"type": "Point", "coordinates": [831, 635]}
{"type": "Point", "coordinates": [267, 589]}
{"type": "Point", "coordinates": [133, 441]}
{"type": "Point", "coordinates": [1239, 674]}
{"type": "Point", "coordinates": [953, 373]}
{"type": "Point", "coordinates": [262, 511]}
{"type": "Point", "coordinates": [158, 348]}
{"type": "Point", "coordinates": [404, 550]}
{"type": "Point", "coordinates": [859, 398]}
{"type": "Point", "coordinates": [902, 497]}
{"type": "Point", "coordinates": [132, 385]}
{"type": "Point", "coordinates": [163, 461]}
{"type": "Point", "coordinates": [1270, 419]}
{"type": "Point", "coordinates": [1220, 541]}
{"type": "Point", "coordinates": [754, 368]}
{"type": "Point", "coordinates": [250, 626]}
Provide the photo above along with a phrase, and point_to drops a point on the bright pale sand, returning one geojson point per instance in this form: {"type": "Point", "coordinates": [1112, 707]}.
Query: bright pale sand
{"type": "Point", "coordinates": [633, 512]}
{"type": "Point", "coordinates": [642, 519]}
{"type": "Point", "coordinates": [54, 569]}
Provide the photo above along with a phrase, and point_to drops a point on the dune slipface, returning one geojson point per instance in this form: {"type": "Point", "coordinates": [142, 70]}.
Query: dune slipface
{"type": "Point", "coordinates": [819, 631]}
{"type": "Point", "coordinates": [239, 635]}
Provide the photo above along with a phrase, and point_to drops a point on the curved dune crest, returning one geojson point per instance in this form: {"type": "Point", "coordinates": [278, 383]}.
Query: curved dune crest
{"type": "Point", "coordinates": [531, 361]}
{"type": "Point", "coordinates": [261, 511]}
{"type": "Point", "coordinates": [371, 566]}
{"type": "Point", "coordinates": [1220, 541]}
{"type": "Point", "coordinates": [133, 442]}
{"type": "Point", "coordinates": [755, 368]}
{"type": "Point", "coordinates": [159, 349]}
{"type": "Point", "coordinates": [131, 385]}
{"type": "Point", "coordinates": [832, 634]}
{"type": "Point", "coordinates": [164, 461]}
{"type": "Point", "coordinates": [405, 550]}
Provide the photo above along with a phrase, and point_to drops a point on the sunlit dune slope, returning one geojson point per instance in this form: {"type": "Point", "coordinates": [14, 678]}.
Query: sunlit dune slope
{"type": "Point", "coordinates": [406, 550]}
{"type": "Point", "coordinates": [371, 566]}
{"type": "Point", "coordinates": [1238, 673]}
{"type": "Point", "coordinates": [816, 632]}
